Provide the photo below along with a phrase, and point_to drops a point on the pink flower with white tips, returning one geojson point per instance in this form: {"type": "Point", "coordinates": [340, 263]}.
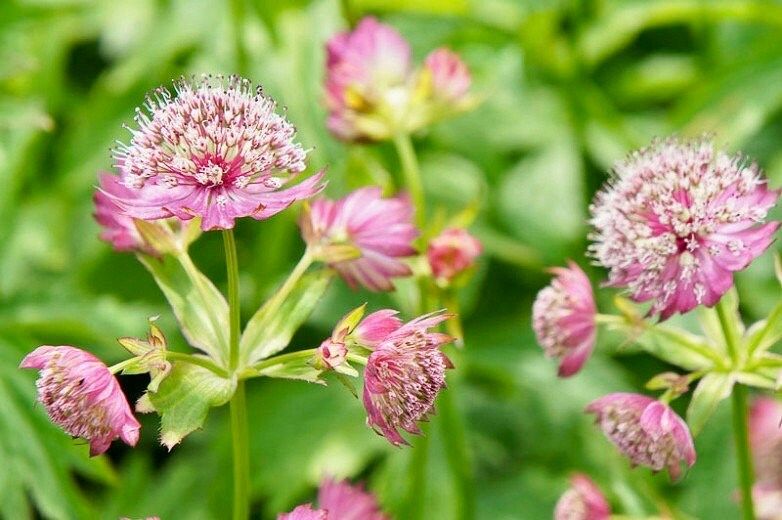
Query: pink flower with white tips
{"type": "Point", "coordinates": [450, 76]}
{"type": "Point", "coordinates": [403, 376]}
{"type": "Point", "coordinates": [344, 501]}
{"type": "Point", "coordinates": [218, 150]}
{"type": "Point", "coordinates": [563, 317]}
{"type": "Point", "coordinates": [362, 236]}
{"type": "Point", "coordinates": [451, 253]}
{"type": "Point", "coordinates": [583, 501]}
{"type": "Point", "coordinates": [82, 396]}
{"type": "Point", "coordinates": [677, 220]}
{"type": "Point", "coordinates": [304, 512]}
{"type": "Point", "coordinates": [646, 431]}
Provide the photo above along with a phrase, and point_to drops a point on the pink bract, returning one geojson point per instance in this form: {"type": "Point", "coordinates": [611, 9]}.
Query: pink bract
{"type": "Point", "coordinates": [563, 317]}
{"type": "Point", "coordinates": [376, 327]}
{"type": "Point", "coordinates": [217, 150]}
{"type": "Point", "coordinates": [452, 252]}
{"type": "Point", "coordinates": [677, 220]}
{"type": "Point", "coordinates": [304, 512]}
{"type": "Point", "coordinates": [583, 501]}
{"type": "Point", "coordinates": [450, 76]}
{"type": "Point", "coordinates": [82, 397]}
{"type": "Point", "coordinates": [344, 501]}
{"type": "Point", "coordinates": [377, 232]}
{"type": "Point", "coordinates": [646, 431]}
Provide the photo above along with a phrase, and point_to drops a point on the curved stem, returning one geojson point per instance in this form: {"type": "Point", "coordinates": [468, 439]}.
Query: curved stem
{"type": "Point", "coordinates": [412, 174]}
{"type": "Point", "coordinates": [281, 359]}
{"type": "Point", "coordinates": [741, 438]}
{"type": "Point", "coordinates": [122, 364]}
{"type": "Point", "coordinates": [278, 298]}
{"type": "Point", "coordinates": [200, 361]}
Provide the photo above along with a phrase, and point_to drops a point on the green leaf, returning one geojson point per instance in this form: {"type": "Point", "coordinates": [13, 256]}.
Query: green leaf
{"type": "Point", "coordinates": [199, 307]}
{"type": "Point", "coordinates": [301, 369]}
{"type": "Point", "coordinates": [764, 334]}
{"type": "Point", "coordinates": [270, 330]}
{"type": "Point", "coordinates": [712, 389]}
{"type": "Point", "coordinates": [184, 398]}
{"type": "Point", "coordinates": [678, 347]}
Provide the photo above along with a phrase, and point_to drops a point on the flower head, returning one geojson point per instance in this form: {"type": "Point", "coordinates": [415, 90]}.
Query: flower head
{"type": "Point", "coordinates": [218, 150]}
{"type": "Point", "coordinates": [304, 512]}
{"type": "Point", "coordinates": [583, 501]}
{"type": "Point", "coordinates": [645, 430]}
{"type": "Point", "coordinates": [362, 236]}
{"type": "Point", "coordinates": [82, 397]}
{"type": "Point", "coordinates": [677, 220]}
{"type": "Point", "coordinates": [376, 327]}
{"type": "Point", "coordinates": [451, 253]}
{"type": "Point", "coordinates": [403, 376]}
{"type": "Point", "coordinates": [449, 75]}
{"type": "Point", "coordinates": [344, 501]}
{"type": "Point", "coordinates": [765, 438]}
{"type": "Point", "coordinates": [563, 317]}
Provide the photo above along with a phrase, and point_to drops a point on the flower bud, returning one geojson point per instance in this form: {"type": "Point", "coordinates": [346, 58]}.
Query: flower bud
{"type": "Point", "coordinates": [451, 253]}
{"type": "Point", "coordinates": [583, 501]}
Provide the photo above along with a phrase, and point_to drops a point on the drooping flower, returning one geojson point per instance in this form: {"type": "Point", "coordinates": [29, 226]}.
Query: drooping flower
{"type": "Point", "coordinates": [451, 253]}
{"type": "Point", "coordinates": [583, 501]}
{"type": "Point", "coordinates": [362, 236]}
{"type": "Point", "coordinates": [449, 75]}
{"type": "Point", "coordinates": [645, 430]}
{"type": "Point", "coordinates": [677, 220]}
{"type": "Point", "coordinates": [218, 150]}
{"type": "Point", "coordinates": [82, 396]}
{"type": "Point", "coordinates": [344, 501]}
{"type": "Point", "coordinates": [403, 376]}
{"type": "Point", "coordinates": [563, 317]}
{"type": "Point", "coordinates": [765, 437]}
{"type": "Point", "coordinates": [304, 512]}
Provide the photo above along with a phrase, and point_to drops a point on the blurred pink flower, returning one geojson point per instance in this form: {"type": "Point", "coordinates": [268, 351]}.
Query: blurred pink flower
{"type": "Point", "coordinates": [677, 219]}
{"type": "Point", "coordinates": [563, 317]}
{"type": "Point", "coordinates": [583, 501]}
{"type": "Point", "coordinates": [403, 376]}
{"type": "Point", "coordinates": [646, 431]}
{"type": "Point", "coordinates": [218, 150]}
{"type": "Point", "coordinates": [450, 76]}
{"type": "Point", "coordinates": [304, 512]}
{"type": "Point", "coordinates": [452, 252]}
{"type": "Point", "coordinates": [344, 501]}
{"type": "Point", "coordinates": [765, 438]}
{"type": "Point", "coordinates": [768, 501]}
{"type": "Point", "coordinates": [376, 327]}
{"type": "Point", "coordinates": [82, 397]}
{"type": "Point", "coordinates": [362, 236]}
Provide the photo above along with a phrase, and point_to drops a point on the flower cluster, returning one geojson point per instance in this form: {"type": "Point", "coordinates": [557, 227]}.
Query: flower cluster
{"type": "Point", "coordinates": [339, 500]}
{"type": "Point", "coordinates": [583, 501]}
{"type": "Point", "coordinates": [373, 91]}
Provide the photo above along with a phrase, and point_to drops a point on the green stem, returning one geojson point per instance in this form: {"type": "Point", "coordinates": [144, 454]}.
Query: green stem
{"type": "Point", "coordinates": [417, 477]}
{"type": "Point", "coordinates": [237, 19]}
{"type": "Point", "coordinates": [238, 406]}
{"type": "Point", "coordinates": [281, 359]}
{"type": "Point", "coordinates": [278, 298]}
{"type": "Point", "coordinates": [728, 330]}
{"type": "Point", "coordinates": [122, 364]}
{"type": "Point", "coordinates": [741, 438]}
{"type": "Point", "coordinates": [454, 434]}
{"type": "Point", "coordinates": [412, 174]}
{"type": "Point", "coordinates": [196, 360]}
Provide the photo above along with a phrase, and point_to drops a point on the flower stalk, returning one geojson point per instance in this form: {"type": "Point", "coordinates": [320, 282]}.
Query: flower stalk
{"type": "Point", "coordinates": [412, 175]}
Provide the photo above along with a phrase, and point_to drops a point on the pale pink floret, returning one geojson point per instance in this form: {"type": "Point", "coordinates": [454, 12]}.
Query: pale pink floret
{"type": "Point", "coordinates": [403, 376]}
{"type": "Point", "coordinates": [362, 66]}
{"type": "Point", "coordinates": [343, 501]}
{"type": "Point", "coordinates": [677, 220]}
{"type": "Point", "coordinates": [452, 252]}
{"type": "Point", "coordinates": [82, 397]}
{"type": "Point", "coordinates": [218, 150]}
{"type": "Point", "coordinates": [380, 231]}
{"type": "Point", "coordinates": [563, 317]}
{"type": "Point", "coordinates": [646, 431]}
{"type": "Point", "coordinates": [765, 438]}
{"type": "Point", "coordinates": [450, 76]}
{"type": "Point", "coordinates": [304, 512]}
{"type": "Point", "coordinates": [583, 501]}
{"type": "Point", "coordinates": [376, 327]}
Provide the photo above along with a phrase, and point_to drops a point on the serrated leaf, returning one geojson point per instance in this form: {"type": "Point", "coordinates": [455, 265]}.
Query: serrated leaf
{"type": "Point", "coordinates": [199, 307]}
{"type": "Point", "coordinates": [712, 389]}
{"type": "Point", "coordinates": [270, 330]}
{"type": "Point", "coordinates": [184, 398]}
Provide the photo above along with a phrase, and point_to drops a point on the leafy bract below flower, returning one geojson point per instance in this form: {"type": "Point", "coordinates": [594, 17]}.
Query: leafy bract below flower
{"type": "Point", "coordinates": [218, 150]}
{"type": "Point", "coordinates": [583, 501]}
{"type": "Point", "coordinates": [403, 376]}
{"type": "Point", "coordinates": [339, 500]}
{"type": "Point", "coordinates": [563, 317]}
{"type": "Point", "coordinates": [362, 236]}
{"type": "Point", "coordinates": [82, 397]}
{"type": "Point", "coordinates": [451, 253]}
{"type": "Point", "coordinates": [677, 220]}
{"type": "Point", "coordinates": [646, 431]}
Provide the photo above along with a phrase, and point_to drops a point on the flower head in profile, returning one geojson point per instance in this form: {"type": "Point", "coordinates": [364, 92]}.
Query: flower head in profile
{"type": "Point", "coordinates": [451, 253]}
{"type": "Point", "coordinates": [344, 501]}
{"type": "Point", "coordinates": [403, 376]}
{"type": "Point", "coordinates": [362, 236]}
{"type": "Point", "coordinates": [563, 317]}
{"type": "Point", "coordinates": [216, 150]}
{"type": "Point", "coordinates": [646, 431]}
{"type": "Point", "coordinates": [82, 396]}
{"type": "Point", "coordinates": [304, 512]}
{"type": "Point", "coordinates": [677, 220]}
{"type": "Point", "coordinates": [583, 501]}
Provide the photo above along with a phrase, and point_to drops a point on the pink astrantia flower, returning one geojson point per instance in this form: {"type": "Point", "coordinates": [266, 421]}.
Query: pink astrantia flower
{"type": "Point", "coordinates": [767, 498]}
{"type": "Point", "coordinates": [344, 501]}
{"type": "Point", "coordinates": [367, 71]}
{"type": "Point", "coordinates": [645, 430]}
{"type": "Point", "coordinates": [765, 438]}
{"type": "Point", "coordinates": [450, 76]}
{"type": "Point", "coordinates": [583, 501]}
{"type": "Point", "coordinates": [304, 512]}
{"type": "Point", "coordinates": [218, 150]}
{"type": "Point", "coordinates": [677, 220]}
{"type": "Point", "coordinates": [376, 327]}
{"type": "Point", "coordinates": [452, 252]}
{"type": "Point", "coordinates": [403, 376]}
{"type": "Point", "coordinates": [563, 317]}
{"type": "Point", "coordinates": [82, 397]}
{"type": "Point", "coordinates": [362, 236]}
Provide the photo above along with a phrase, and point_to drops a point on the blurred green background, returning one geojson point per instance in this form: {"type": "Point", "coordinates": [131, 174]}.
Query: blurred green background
{"type": "Point", "coordinates": [568, 88]}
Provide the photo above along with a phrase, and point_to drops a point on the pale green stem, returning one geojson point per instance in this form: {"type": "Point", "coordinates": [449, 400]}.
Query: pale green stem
{"type": "Point", "coordinates": [357, 358]}
{"type": "Point", "coordinates": [282, 359]}
{"type": "Point", "coordinates": [278, 298]}
{"type": "Point", "coordinates": [121, 365]}
{"type": "Point", "coordinates": [412, 175]}
{"type": "Point", "coordinates": [200, 361]}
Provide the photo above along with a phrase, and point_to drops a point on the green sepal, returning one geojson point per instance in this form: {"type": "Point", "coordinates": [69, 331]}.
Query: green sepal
{"type": "Point", "coordinates": [711, 389]}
